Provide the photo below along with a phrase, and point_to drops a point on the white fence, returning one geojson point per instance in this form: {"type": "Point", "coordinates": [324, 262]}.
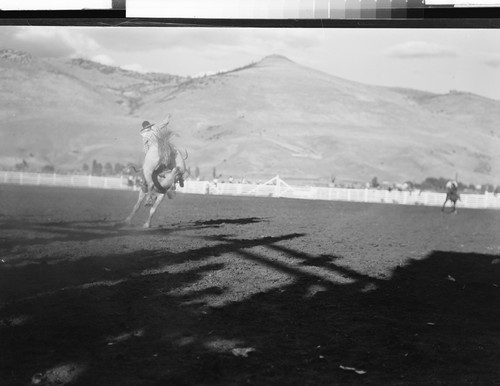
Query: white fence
{"type": "Point", "coordinates": [63, 180]}
{"type": "Point", "coordinates": [275, 187]}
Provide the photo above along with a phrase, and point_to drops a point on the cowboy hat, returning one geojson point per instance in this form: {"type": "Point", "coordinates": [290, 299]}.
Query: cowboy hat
{"type": "Point", "coordinates": [146, 125]}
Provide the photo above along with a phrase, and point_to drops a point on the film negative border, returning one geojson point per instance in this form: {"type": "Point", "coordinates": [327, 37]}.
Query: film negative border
{"type": "Point", "coordinates": [286, 13]}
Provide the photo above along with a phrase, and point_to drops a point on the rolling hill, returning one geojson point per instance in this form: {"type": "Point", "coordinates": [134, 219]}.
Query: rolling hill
{"type": "Point", "coordinates": [270, 117]}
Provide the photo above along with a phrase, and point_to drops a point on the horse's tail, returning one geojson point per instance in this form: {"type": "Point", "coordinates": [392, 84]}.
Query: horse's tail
{"type": "Point", "coordinates": [166, 148]}
{"type": "Point", "coordinates": [157, 184]}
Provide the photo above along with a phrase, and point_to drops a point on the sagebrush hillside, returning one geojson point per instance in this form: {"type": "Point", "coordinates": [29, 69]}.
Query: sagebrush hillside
{"type": "Point", "coordinates": [270, 117]}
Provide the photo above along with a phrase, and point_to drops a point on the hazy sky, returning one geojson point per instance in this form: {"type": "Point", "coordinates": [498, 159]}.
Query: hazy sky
{"type": "Point", "coordinates": [436, 60]}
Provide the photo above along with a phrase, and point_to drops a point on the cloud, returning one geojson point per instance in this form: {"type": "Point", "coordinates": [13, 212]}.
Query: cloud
{"type": "Point", "coordinates": [493, 60]}
{"type": "Point", "coordinates": [7, 34]}
{"type": "Point", "coordinates": [419, 49]}
{"type": "Point", "coordinates": [213, 40]}
{"type": "Point", "coordinates": [150, 38]}
{"type": "Point", "coordinates": [53, 42]}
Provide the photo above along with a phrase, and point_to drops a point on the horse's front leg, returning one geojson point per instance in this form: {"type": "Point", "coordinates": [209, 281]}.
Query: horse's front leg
{"type": "Point", "coordinates": [142, 194]}
{"type": "Point", "coordinates": [152, 211]}
{"type": "Point", "coordinates": [445, 201]}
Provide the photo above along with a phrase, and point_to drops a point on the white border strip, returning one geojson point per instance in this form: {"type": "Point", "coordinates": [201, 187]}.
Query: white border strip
{"type": "Point", "coordinates": [54, 5]}
{"type": "Point", "coordinates": [465, 3]}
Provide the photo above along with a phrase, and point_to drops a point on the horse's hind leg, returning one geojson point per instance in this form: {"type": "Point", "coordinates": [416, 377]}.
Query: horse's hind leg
{"type": "Point", "coordinates": [142, 194]}
{"type": "Point", "coordinates": [445, 201]}
{"type": "Point", "coordinates": [153, 210]}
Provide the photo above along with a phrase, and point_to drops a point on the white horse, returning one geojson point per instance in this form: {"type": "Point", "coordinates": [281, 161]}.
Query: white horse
{"type": "Point", "coordinates": [451, 195]}
{"type": "Point", "coordinates": [160, 172]}
{"type": "Point", "coordinates": [161, 155]}
{"type": "Point", "coordinates": [167, 183]}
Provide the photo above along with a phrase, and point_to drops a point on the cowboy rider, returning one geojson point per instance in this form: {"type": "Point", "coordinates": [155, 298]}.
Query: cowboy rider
{"type": "Point", "coordinates": [149, 134]}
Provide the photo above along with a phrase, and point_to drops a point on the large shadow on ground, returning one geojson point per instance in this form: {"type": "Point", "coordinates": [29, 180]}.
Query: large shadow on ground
{"type": "Point", "coordinates": [33, 275]}
{"type": "Point", "coordinates": [435, 321]}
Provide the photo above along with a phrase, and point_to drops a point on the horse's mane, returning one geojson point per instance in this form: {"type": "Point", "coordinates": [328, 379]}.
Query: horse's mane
{"type": "Point", "coordinates": [166, 148]}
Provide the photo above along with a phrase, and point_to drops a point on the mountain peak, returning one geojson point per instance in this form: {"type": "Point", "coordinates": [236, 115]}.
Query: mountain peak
{"type": "Point", "coordinates": [275, 59]}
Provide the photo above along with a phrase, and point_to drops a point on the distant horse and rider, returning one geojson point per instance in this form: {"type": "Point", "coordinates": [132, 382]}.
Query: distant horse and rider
{"type": "Point", "coordinates": [452, 195]}
{"type": "Point", "coordinates": [160, 169]}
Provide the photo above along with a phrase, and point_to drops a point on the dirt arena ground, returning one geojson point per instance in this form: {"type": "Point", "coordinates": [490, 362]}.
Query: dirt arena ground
{"type": "Point", "coordinates": [234, 291]}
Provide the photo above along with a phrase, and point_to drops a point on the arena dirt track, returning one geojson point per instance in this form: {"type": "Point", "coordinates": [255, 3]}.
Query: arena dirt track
{"type": "Point", "coordinates": [233, 291]}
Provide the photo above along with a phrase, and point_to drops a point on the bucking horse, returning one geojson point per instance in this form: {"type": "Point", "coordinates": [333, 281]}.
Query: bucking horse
{"type": "Point", "coordinates": [161, 172]}
{"type": "Point", "coordinates": [452, 195]}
